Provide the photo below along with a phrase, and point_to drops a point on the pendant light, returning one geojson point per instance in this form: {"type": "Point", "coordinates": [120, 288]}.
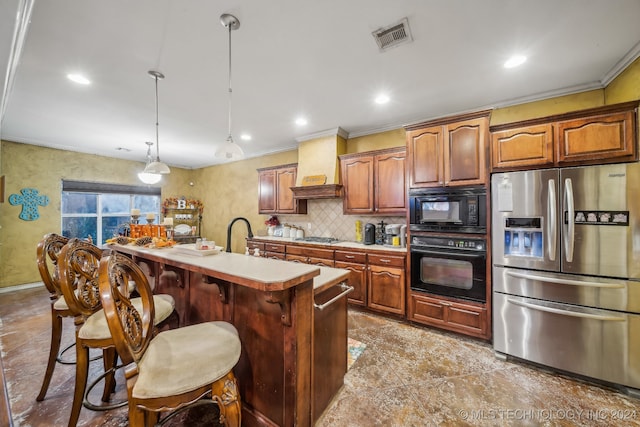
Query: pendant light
{"type": "Point", "coordinates": [146, 177]}
{"type": "Point", "coordinates": [157, 166]}
{"type": "Point", "coordinates": [229, 150]}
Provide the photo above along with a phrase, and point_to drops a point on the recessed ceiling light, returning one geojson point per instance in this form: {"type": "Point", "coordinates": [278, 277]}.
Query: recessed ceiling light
{"type": "Point", "coordinates": [301, 121]}
{"type": "Point", "coordinates": [514, 61]}
{"type": "Point", "coordinates": [78, 78]}
{"type": "Point", "coordinates": [245, 137]}
{"type": "Point", "coordinates": [382, 99]}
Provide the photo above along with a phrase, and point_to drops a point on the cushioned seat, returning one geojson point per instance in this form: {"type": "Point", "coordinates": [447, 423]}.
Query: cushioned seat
{"type": "Point", "coordinates": [199, 355]}
{"type": "Point", "coordinates": [95, 326]}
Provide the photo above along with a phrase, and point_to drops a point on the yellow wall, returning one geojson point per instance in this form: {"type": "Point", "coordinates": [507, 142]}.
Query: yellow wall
{"type": "Point", "coordinates": [30, 166]}
{"type": "Point", "coordinates": [231, 190]}
{"type": "Point", "coordinates": [625, 87]}
{"type": "Point", "coordinates": [376, 141]}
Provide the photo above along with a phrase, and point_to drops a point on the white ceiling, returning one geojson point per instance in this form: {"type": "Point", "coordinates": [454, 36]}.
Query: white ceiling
{"type": "Point", "coordinates": [315, 58]}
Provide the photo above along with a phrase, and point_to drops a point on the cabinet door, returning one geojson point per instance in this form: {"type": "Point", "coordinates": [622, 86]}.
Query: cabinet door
{"type": "Point", "coordinates": [267, 192]}
{"type": "Point", "coordinates": [386, 289]}
{"type": "Point", "coordinates": [522, 147]}
{"type": "Point", "coordinates": [465, 152]}
{"type": "Point", "coordinates": [297, 258]}
{"type": "Point", "coordinates": [285, 178]}
{"type": "Point", "coordinates": [425, 149]}
{"type": "Point", "coordinates": [608, 136]}
{"type": "Point", "coordinates": [320, 261]}
{"type": "Point", "coordinates": [390, 183]}
{"type": "Point", "coordinates": [357, 179]}
{"type": "Point", "coordinates": [357, 279]}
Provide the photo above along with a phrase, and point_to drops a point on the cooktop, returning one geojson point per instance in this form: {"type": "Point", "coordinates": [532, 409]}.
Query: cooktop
{"type": "Point", "coordinates": [327, 240]}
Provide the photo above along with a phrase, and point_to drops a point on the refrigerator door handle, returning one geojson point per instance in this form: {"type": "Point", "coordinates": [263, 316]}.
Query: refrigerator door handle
{"type": "Point", "coordinates": [571, 215]}
{"type": "Point", "coordinates": [561, 281]}
{"type": "Point", "coordinates": [552, 222]}
{"type": "Point", "coordinates": [566, 312]}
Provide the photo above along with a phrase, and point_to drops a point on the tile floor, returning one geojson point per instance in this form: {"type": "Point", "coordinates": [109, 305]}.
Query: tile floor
{"type": "Point", "coordinates": [407, 376]}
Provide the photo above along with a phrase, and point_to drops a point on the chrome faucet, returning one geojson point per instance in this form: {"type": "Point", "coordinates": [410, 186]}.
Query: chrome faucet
{"type": "Point", "coordinates": [229, 230]}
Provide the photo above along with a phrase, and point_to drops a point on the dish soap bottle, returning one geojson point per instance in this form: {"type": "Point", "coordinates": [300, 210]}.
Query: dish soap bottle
{"type": "Point", "coordinates": [359, 231]}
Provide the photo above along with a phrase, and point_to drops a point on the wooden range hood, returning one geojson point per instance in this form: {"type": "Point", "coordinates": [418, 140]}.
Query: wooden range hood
{"type": "Point", "coordinates": [318, 168]}
{"type": "Point", "coordinates": [324, 191]}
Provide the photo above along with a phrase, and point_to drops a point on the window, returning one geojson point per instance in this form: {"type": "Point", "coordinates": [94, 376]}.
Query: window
{"type": "Point", "coordinates": [103, 210]}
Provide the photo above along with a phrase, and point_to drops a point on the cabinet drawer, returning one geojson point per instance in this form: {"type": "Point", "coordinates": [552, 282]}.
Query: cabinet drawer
{"type": "Point", "coordinates": [320, 261]}
{"type": "Point", "coordinates": [253, 245]}
{"type": "Point", "coordinates": [296, 258]}
{"type": "Point", "coordinates": [357, 257]}
{"type": "Point", "coordinates": [310, 252]}
{"type": "Point", "coordinates": [274, 255]}
{"type": "Point", "coordinates": [274, 247]}
{"type": "Point", "coordinates": [378, 259]}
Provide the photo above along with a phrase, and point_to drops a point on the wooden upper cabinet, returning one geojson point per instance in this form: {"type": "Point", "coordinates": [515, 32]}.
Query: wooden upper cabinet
{"type": "Point", "coordinates": [390, 184]}
{"type": "Point", "coordinates": [274, 191]}
{"type": "Point", "coordinates": [609, 136]}
{"type": "Point", "coordinates": [448, 152]}
{"type": "Point", "coordinates": [374, 182]}
{"type": "Point", "coordinates": [267, 191]}
{"type": "Point", "coordinates": [599, 135]}
{"type": "Point", "coordinates": [357, 181]}
{"type": "Point", "coordinates": [465, 148]}
{"type": "Point", "coordinates": [521, 147]}
{"type": "Point", "coordinates": [425, 149]}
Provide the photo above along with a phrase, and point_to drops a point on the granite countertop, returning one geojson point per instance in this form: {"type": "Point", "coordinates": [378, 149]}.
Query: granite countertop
{"type": "Point", "coordinates": [336, 245]}
{"type": "Point", "coordinates": [257, 272]}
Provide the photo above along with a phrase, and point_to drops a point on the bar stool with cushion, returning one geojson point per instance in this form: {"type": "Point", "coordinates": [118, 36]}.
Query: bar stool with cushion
{"type": "Point", "coordinates": [78, 266]}
{"type": "Point", "coordinates": [169, 370]}
{"type": "Point", "coordinates": [48, 251]}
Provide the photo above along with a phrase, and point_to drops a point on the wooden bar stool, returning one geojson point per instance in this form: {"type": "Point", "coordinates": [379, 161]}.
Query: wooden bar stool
{"type": "Point", "coordinates": [48, 252]}
{"type": "Point", "coordinates": [169, 370]}
{"type": "Point", "coordinates": [78, 266]}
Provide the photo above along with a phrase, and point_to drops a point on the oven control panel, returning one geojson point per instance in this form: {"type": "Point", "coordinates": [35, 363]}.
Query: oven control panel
{"type": "Point", "coordinates": [442, 242]}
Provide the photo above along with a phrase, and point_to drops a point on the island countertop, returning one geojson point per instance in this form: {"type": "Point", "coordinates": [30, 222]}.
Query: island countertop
{"type": "Point", "coordinates": [255, 272]}
{"type": "Point", "coordinates": [291, 319]}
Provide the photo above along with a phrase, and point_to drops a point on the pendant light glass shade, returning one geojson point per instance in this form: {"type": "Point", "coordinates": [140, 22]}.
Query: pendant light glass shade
{"type": "Point", "coordinates": [157, 166]}
{"type": "Point", "coordinates": [229, 150]}
{"type": "Point", "coordinates": [145, 176]}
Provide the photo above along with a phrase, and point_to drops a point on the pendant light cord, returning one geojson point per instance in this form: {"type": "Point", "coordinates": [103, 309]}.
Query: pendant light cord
{"type": "Point", "coordinates": [157, 124]}
{"type": "Point", "coordinates": [230, 91]}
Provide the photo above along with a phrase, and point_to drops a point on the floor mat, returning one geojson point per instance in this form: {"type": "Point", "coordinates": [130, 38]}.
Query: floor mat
{"type": "Point", "coordinates": [354, 349]}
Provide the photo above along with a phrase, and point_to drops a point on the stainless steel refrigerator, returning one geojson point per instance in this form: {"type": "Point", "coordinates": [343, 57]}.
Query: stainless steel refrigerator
{"type": "Point", "coordinates": [566, 269]}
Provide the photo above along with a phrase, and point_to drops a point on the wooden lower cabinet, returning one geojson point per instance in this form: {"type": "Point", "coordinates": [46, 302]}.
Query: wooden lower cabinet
{"type": "Point", "coordinates": [356, 262]}
{"type": "Point", "coordinates": [378, 278]}
{"type": "Point", "coordinates": [467, 318]}
{"type": "Point", "coordinates": [386, 291]}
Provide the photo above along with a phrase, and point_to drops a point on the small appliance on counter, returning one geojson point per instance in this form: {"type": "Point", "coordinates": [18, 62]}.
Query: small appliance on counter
{"type": "Point", "coordinates": [380, 233]}
{"type": "Point", "coordinates": [369, 234]}
{"type": "Point", "coordinates": [392, 235]}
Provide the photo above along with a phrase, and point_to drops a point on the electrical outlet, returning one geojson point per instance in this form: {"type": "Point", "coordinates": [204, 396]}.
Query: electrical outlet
{"type": "Point", "coordinates": [309, 226]}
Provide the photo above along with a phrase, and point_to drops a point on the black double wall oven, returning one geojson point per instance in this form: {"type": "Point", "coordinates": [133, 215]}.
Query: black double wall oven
{"type": "Point", "coordinates": [448, 246]}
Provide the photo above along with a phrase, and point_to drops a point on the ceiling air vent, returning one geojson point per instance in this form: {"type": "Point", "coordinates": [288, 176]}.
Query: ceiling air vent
{"type": "Point", "coordinates": [393, 35]}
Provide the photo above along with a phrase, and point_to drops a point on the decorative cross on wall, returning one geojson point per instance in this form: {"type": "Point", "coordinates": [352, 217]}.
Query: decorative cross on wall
{"type": "Point", "coordinates": [30, 200]}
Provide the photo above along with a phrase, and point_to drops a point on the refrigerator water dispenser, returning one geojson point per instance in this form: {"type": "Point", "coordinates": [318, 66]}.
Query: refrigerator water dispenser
{"type": "Point", "coordinates": [523, 237]}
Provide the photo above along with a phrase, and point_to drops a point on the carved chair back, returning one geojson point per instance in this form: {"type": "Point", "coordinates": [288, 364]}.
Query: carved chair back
{"type": "Point", "coordinates": [131, 330]}
{"type": "Point", "coordinates": [79, 265]}
{"type": "Point", "coordinates": [48, 252]}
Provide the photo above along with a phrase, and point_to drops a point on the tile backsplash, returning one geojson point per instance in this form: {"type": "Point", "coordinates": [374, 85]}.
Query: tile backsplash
{"type": "Point", "coordinates": [327, 220]}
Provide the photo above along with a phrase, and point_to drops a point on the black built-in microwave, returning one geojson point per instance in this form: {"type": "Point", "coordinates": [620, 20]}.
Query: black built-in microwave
{"type": "Point", "coordinates": [456, 210]}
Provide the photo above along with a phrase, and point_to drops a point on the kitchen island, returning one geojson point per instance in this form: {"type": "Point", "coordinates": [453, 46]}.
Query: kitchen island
{"type": "Point", "coordinates": [291, 318]}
